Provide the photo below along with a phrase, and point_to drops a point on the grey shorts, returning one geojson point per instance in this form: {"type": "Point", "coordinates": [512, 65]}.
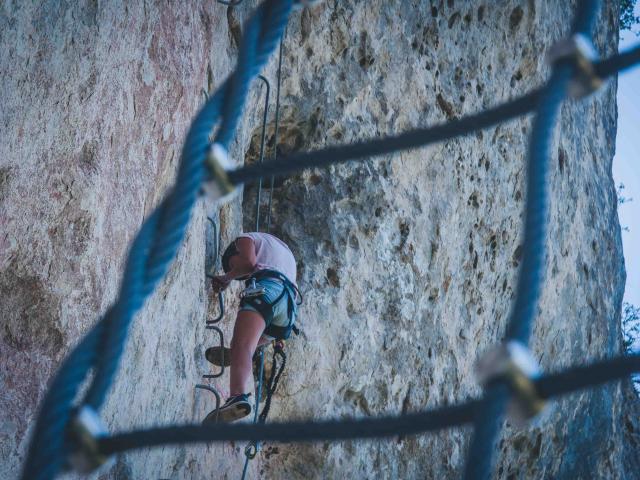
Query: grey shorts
{"type": "Point", "coordinates": [273, 290]}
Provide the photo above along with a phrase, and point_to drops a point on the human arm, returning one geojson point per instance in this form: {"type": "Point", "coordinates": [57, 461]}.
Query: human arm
{"type": "Point", "coordinates": [242, 264]}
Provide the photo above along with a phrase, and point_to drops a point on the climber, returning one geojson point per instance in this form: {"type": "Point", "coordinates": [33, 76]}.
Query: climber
{"type": "Point", "coordinates": [267, 311]}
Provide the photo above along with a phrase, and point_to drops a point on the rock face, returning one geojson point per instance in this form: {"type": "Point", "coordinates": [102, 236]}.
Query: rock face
{"type": "Point", "coordinates": [408, 262]}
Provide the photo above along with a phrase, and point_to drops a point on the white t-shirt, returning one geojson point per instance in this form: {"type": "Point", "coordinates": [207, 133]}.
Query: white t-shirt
{"type": "Point", "coordinates": [273, 254]}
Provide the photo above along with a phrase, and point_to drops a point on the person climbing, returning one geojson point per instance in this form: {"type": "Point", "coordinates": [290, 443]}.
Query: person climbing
{"type": "Point", "coordinates": [267, 311]}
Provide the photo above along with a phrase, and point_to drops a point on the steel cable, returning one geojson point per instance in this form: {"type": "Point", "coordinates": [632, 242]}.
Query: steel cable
{"type": "Point", "coordinates": [548, 386]}
{"type": "Point", "coordinates": [618, 63]}
{"type": "Point", "coordinates": [419, 137]}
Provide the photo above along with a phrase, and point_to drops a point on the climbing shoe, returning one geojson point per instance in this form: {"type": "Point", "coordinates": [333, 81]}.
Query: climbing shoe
{"type": "Point", "coordinates": [220, 356]}
{"type": "Point", "coordinates": [235, 408]}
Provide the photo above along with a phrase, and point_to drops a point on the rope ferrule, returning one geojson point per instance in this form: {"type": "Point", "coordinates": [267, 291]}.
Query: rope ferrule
{"type": "Point", "coordinates": [580, 52]}
{"type": "Point", "coordinates": [218, 163]}
{"type": "Point", "coordinates": [85, 430]}
{"type": "Point", "coordinates": [513, 364]}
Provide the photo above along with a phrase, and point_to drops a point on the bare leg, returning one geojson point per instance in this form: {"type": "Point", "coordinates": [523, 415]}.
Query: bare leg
{"type": "Point", "coordinates": [246, 334]}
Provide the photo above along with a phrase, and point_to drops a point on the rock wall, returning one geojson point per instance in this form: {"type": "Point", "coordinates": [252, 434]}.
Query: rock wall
{"type": "Point", "coordinates": [408, 262]}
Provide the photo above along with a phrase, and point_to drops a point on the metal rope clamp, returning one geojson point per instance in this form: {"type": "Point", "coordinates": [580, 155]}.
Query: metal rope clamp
{"type": "Point", "coordinates": [513, 363]}
{"type": "Point", "coordinates": [85, 429]}
{"type": "Point", "coordinates": [219, 187]}
{"type": "Point", "coordinates": [579, 51]}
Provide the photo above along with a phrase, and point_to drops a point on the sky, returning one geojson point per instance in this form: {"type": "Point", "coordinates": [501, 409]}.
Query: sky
{"type": "Point", "coordinates": [626, 167]}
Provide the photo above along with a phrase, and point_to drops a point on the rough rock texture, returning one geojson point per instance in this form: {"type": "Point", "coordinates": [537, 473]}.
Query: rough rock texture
{"type": "Point", "coordinates": [408, 262]}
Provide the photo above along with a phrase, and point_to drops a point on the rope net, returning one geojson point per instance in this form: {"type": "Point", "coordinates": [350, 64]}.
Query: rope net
{"type": "Point", "coordinates": [157, 241]}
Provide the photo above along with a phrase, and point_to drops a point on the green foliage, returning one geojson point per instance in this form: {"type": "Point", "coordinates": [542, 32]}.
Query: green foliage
{"type": "Point", "coordinates": [631, 334]}
{"type": "Point", "coordinates": [630, 325]}
{"type": "Point", "coordinates": [627, 17]}
{"type": "Point", "coordinates": [621, 198]}
{"type": "Point", "coordinates": [621, 201]}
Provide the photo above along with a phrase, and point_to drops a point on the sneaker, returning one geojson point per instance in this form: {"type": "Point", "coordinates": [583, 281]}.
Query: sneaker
{"type": "Point", "coordinates": [220, 356]}
{"type": "Point", "coordinates": [234, 409]}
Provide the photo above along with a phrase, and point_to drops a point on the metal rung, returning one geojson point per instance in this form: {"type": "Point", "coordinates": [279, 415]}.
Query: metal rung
{"type": "Point", "coordinates": [221, 336]}
{"type": "Point", "coordinates": [215, 394]}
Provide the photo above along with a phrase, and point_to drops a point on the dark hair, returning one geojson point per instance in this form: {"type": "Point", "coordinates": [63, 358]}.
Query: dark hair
{"type": "Point", "coordinates": [229, 252]}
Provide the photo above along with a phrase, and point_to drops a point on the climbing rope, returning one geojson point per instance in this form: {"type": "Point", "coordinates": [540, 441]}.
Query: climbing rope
{"type": "Point", "coordinates": [252, 449]}
{"type": "Point", "coordinates": [617, 63]}
{"type": "Point", "coordinates": [161, 233]}
{"type": "Point", "coordinates": [263, 137]}
{"type": "Point", "coordinates": [274, 378]}
{"type": "Point", "coordinates": [275, 133]}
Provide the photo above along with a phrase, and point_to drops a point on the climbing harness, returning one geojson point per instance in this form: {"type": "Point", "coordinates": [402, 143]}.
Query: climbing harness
{"type": "Point", "coordinates": [255, 297]}
{"type": "Point", "coordinates": [63, 431]}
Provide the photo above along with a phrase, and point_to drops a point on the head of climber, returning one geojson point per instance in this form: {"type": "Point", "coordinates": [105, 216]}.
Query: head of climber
{"type": "Point", "coordinates": [229, 252]}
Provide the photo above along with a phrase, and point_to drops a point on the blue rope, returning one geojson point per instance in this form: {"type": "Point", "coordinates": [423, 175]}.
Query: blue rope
{"type": "Point", "coordinates": [255, 444]}
{"type": "Point", "coordinates": [487, 425]}
{"type": "Point", "coordinates": [535, 230]}
{"type": "Point", "coordinates": [479, 459]}
{"type": "Point", "coordinates": [255, 59]}
{"type": "Point", "coordinates": [161, 234]}
{"type": "Point", "coordinates": [151, 253]}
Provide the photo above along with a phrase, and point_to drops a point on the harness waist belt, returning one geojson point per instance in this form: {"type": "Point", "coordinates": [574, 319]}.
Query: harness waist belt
{"type": "Point", "coordinates": [266, 308]}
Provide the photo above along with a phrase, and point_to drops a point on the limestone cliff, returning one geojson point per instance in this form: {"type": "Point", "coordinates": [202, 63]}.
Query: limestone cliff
{"type": "Point", "coordinates": [408, 262]}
